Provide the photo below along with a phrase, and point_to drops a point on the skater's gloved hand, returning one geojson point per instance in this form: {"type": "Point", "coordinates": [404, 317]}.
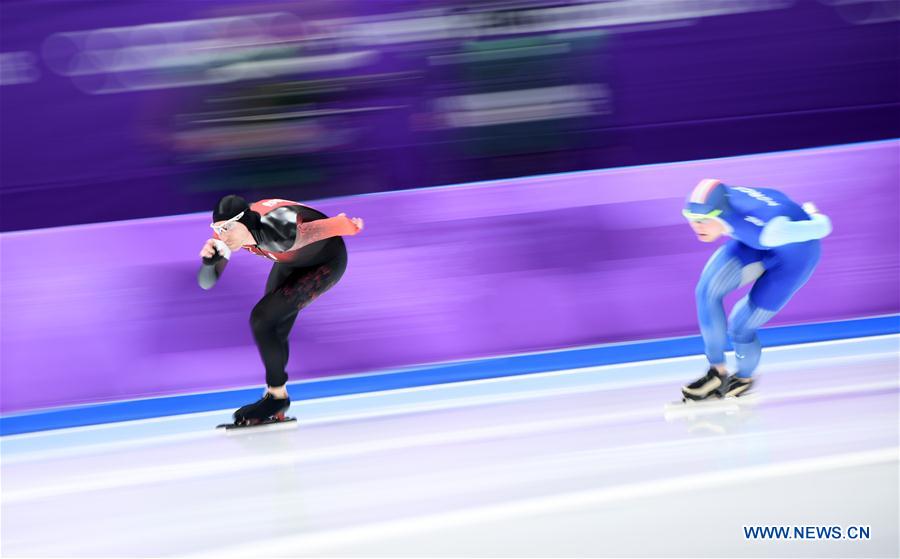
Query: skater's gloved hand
{"type": "Point", "coordinates": [214, 250]}
{"type": "Point", "coordinates": [353, 224]}
{"type": "Point", "coordinates": [821, 220]}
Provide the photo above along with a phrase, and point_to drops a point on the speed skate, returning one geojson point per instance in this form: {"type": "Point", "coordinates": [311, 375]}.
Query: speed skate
{"type": "Point", "coordinates": [276, 422]}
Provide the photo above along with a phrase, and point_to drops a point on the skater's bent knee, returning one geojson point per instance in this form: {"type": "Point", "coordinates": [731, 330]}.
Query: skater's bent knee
{"type": "Point", "coordinates": [261, 321]}
{"type": "Point", "coordinates": [703, 292]}
{"type": "Point", "coordinates": [741, 335]}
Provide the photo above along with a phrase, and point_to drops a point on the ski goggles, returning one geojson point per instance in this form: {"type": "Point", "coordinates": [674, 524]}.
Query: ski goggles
{"type": "Point", "coordinates": [219, 229]}
{"type": "Point", "coordinates": [693, 216]}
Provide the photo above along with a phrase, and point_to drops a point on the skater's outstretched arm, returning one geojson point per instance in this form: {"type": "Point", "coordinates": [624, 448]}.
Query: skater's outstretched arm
{"type": "Point", "coordinates": [314, 231]}
{"type": "Point", "coordinates": [215, 254]}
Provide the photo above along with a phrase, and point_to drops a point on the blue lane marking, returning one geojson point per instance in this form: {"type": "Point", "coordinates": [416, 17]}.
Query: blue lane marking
{"type": "Point", "coordinates": [436, 374]}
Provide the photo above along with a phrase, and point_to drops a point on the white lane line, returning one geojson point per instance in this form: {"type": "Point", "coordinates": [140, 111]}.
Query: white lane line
{"type": "Point", "coordinates": [321, 542]}
{"type": "Point", "coordinates": [207, 468]}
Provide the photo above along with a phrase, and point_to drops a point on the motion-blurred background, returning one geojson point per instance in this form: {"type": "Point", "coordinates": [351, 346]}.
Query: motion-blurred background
{"type": "Point", "coordinates": [115, 110]}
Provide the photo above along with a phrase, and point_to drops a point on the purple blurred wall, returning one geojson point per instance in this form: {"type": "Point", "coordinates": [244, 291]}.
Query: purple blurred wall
{"type": "Point", "coordinates": [112, 311]}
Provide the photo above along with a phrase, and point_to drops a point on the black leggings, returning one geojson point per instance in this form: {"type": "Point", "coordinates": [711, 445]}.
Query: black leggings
{"type": "Point", "coordinates": [289, 290]}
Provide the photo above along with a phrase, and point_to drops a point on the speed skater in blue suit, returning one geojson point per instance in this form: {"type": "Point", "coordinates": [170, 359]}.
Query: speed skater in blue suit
{"type": "Point", "coordinates": [774, 245]}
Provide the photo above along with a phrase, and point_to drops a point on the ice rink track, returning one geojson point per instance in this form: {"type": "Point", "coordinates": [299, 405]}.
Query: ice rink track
{"type": "Point", "coordinates": [582, 462]}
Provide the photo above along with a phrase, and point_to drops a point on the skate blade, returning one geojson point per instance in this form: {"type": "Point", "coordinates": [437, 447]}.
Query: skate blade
{"type": "Point", "coordinates": [263, 426]}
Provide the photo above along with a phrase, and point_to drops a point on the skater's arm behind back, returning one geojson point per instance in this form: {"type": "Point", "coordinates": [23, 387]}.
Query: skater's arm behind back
{"type": "Point", "coordinates": [310, 232]}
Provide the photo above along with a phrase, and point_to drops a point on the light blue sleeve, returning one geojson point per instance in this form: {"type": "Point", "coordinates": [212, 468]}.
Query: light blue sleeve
{"type": "Point", "coordinates": [782, 231]}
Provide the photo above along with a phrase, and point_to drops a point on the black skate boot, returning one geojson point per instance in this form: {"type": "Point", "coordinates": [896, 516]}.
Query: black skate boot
{"type": "Point", "coordinates": [735, 386]}
{"type": "Point", "coordinates": [705, 387]}
{"type": "Point", "coordinates": [266, 410]}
